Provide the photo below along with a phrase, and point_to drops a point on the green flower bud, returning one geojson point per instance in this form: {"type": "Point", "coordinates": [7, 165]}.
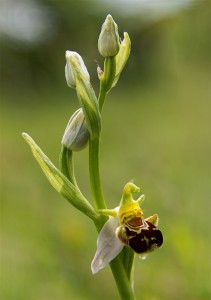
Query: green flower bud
{"type": "Point", "coordinates": [108, 42]}
{"type": "Point", "coordinates": [76, 134]}
{"type": "Point", "coordinates": [71, 57]}
{"type": "Point", "coordinates": [78, 77]}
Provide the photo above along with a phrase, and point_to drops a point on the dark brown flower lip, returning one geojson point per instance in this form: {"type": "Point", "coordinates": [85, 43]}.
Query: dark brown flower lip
{"type": "Point", "coordinates": [143, 238]}
{"type": "Point", "coordinates": [146, 241]}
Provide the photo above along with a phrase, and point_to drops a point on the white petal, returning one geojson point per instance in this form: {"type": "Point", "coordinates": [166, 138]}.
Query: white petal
{"type": "Point", "coordinates": [108, 246]}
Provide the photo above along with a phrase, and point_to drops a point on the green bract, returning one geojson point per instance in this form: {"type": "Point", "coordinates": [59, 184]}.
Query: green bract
{"type": "Point", "coordinates": [61, 184]}
{"type": "Point", "coordinates": [122, 57]}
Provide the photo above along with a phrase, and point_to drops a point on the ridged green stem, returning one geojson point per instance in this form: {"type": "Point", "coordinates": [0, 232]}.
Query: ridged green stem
{"type": "Point", "coordinates": [122, 274]}
{"type": "Point", "coordinates": [122, 281]}
{"type": "Point", "coordinates": [95, 181]}
{"type": "Point", "coordinates": [118, 269]}
{"type": "Point", "coordinates": [128, 262]}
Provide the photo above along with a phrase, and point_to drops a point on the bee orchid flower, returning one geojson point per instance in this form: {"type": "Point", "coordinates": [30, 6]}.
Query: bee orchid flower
{"type": "Point", "coordinates": [126, 226]}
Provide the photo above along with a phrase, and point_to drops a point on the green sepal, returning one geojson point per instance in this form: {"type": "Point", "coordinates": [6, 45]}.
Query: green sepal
{"type": "Point", "coordinates": [88, 102]}
{"type": "Point", "coordinates": [61, 184]}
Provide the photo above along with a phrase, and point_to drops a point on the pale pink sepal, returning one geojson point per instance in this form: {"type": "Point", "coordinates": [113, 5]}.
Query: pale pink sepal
{"type": "Point", "coordinates": [108, 246]}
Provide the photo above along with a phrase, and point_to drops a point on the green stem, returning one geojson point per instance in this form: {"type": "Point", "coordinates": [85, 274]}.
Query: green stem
{"type": "Point", "coordinates": [120, 273]}
{"type": "Point", "coordinates": [128, 262]}
{"type": "Point", "coordinates": [121, 279]}
{"type": "Point", "coordinates": [109, 71]}
{"type": "Point", "coordinates": [102, 96]}
{"type": "Point", "coordinates": [95, 181]}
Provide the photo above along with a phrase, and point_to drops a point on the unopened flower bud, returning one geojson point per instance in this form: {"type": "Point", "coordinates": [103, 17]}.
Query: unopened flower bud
{"type": "Point", "coordinates": [78, 77]}
{"type": "Point", "coordinates": [76, 134]}
{"type": "Point", "coordinates": [108, 42]}
{"type": "Point", "coordinates": [74, 62]}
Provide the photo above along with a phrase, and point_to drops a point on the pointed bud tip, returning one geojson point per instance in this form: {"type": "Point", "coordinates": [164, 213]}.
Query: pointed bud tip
{"type": "Point", "coordinates": [25, 136]}
{"type": "Point", "coordinates": [75, 65]}
{"type": "Point", "coordinates": [71, 54]}
{"type": "Point", "coordinates": [67, 53]}
{"type": "Point", "coordinates": [109, 17]}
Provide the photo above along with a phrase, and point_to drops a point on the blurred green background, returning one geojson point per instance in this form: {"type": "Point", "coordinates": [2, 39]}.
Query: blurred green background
{"type": "Point", "coordinates": [155, 131]}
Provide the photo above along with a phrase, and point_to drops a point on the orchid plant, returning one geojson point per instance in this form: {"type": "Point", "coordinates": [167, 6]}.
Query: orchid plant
{"type": "Point", "coordinates": [123, 231]}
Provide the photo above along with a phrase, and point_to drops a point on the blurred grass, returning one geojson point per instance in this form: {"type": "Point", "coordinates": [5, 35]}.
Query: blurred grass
{"type": "Point", "coordinates": [156, 133]}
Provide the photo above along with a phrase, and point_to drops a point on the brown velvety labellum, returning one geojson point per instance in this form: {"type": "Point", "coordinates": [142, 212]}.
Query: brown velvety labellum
{"type": "Point", "coordinates": [149, 239]}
